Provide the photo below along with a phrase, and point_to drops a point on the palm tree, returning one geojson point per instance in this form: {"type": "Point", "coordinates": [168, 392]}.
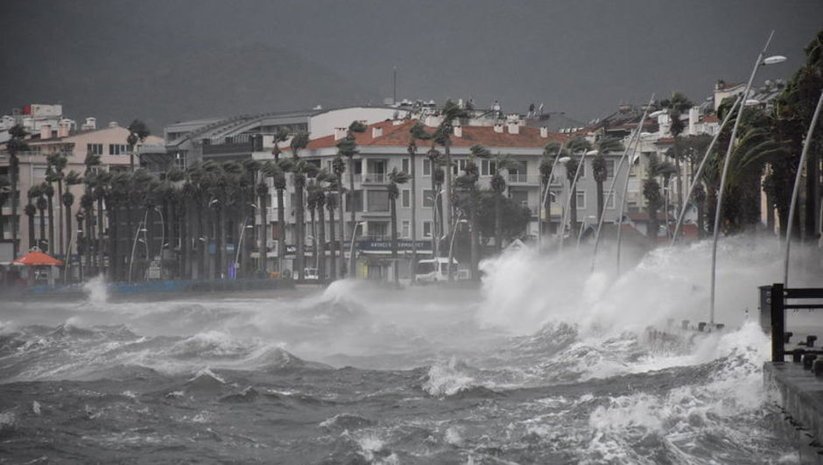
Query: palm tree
{"type": "Point", "coordinates": [58, 162]}
{"type": "Point", "coordinates": [138, 131]}
{"type": "Point", "coordinates": [317, 202]}
{"type": "Point", "coordinates": [348, 147]}
{"type": "Point", "coordinates": [395, 177]}
{"type": "Point", "coordinates": [15, 145]}
{"type": "Point", "coordinates": [338, 168]}
{"type": "Point", "coordinates": [551, 152]}
{"type": "Point", "coordinates": [437, 176]}
{"type": "Point", "coordinates": [450, 112]}
{"type": "Point", "coordinates": [99, 194]}
{"type": "Point", "coordinates": [298, 142]}
{"type": "Point", "coordinates": [5, 193]}
{"type": "Point", "coordinates": [600, 172]}
{"type": "Point", "coordinates": [332, 204]}
{"type": "Point", "coordinates": [115, 198]}
{"type": "Point", "coordinates": [468, 183]}
{"type": "Point", "coordinates": [48, 191]}
{"type": "Point", "coordinates": [651, 191]}
{"type": "Point", "coordinates": [42, 205]}
{"type": "Point", "coordinates": [30, 210]}
{"type": "Point", "coordinates": [267, 170]}
{"type": "Point", "coordinates": [279, 182]}
{"type": "Point", "coordinates": [579, 145]}
{"type": "Point", "coordinates": [677, 104]}
{"type": "Point", "coordinates": [416, 132]}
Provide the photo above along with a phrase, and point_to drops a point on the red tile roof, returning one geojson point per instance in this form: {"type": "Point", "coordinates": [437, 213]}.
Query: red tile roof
{"type": "Point", "coordinates": [710, 119]}
{"type": "Point", "coordinates": [397, 135]}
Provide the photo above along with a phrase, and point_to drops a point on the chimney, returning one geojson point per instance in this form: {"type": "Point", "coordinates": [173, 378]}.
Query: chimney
{"type": "Point", "coordinates": [90, 124]}
{"type": "Point", "coordinates": [498, 128]}
{"type": "Point", "coordinates": [458, 131]}
{"type": "Point", "coordinates": [339, 133]}
{"type": "Point", "coordinates": [64, 128]}
{"type": "Point", "coordinates": [544, 132]}
{"type": "Point", "coordinates": [513, 127]}
{"type": "Point", "coordinates": [376, 132]}
{"type": "Point", "coordinates": [45, 131]}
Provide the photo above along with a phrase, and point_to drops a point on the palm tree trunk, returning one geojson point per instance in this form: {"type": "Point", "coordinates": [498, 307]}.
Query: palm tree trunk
{"type": "Point", "coordinates": [435, 204]}
{"type": "Point", "coordinates": [447, 224]}
{"type": "Point", "coordinates": [100, 240]}
{"type": "Point", "coordinates": [42, 225]}
{"type": "Point", "coordinates": [498, 222]}
{"type": "Point", "coordinates": [334, 246]}
{"type": "Point", "coordinates": [13, 171]}
{"type": "Point", "coordinates": [60, 217]}
{"type": "Point", "coordinates": [413, 212]}
{"type": "Point", "coordinates": [572, 212]}
{"type": "Point", "coordinates": [475, 253]}
{"type": "Point", "coordinates": [281, 236]}
{"type": "Point", "coordinates": [32, 241]}
{"type": "Point", "coordinates": [262, 252]}
{"type": "Point", "coordinates": [320, 248]}
{"type": "Point", "coordinates": [300, 219]}
{"type": "Point", "coordinates": [342, 243]}
{"type": "Point", "coordinates": [395, 269]}
{"type": "Point", "coordinates": [599, 200]}
{"type": "Point", "coordinates": [68, 233]}
{"type": "Point", "coordinates": [312, 215]}
{"type": "Point", "coordinates": [352, 269]}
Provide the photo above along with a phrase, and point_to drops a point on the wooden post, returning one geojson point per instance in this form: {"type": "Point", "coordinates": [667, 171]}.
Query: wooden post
{"type": "Point", "coordinates": [778, 322]}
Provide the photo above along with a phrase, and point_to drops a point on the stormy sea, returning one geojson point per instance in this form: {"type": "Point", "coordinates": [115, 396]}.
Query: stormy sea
{"type": "Point", "coordinates": [546, 362]}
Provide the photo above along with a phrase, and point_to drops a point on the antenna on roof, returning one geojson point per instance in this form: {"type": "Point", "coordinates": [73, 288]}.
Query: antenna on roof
{"type": "Point", "coordinates": [394, 88]}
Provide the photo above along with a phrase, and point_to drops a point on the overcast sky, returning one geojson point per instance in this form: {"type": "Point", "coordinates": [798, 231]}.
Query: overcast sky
{"type": "Point", "coordinates": [120, 59]}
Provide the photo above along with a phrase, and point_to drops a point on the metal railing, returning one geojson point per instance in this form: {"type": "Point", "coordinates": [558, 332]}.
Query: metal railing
{"type": "Point", "coordinates": [778, 297]}
{"type": "Point", "coordinates": [371, 178]}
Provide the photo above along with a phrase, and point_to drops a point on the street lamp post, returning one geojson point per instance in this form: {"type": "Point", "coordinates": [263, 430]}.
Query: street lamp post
{"type": "Point", "coordinates": [436, 230]}
{"type": "Point", "coordinates": [545, 197]}
{"type": "Point", "coordinates": [162, 230]}
{"type": "Point", "coordinates": [699, 172]}
{"type": "Point", "coordinates": [458, 219]}
{"type": "Point", "coordinates": [243, 228]}
{"type": "Point", "coordinates": [140, 229]}
{"type": "Point", "coordinates": [796, 189]}
{"type": "Point", "coordinates": [572, 191]}
{"type": "Point", "coordinates": [351, 248]}
{"type": "Point", "coordinates": [635, 139]}
{"type": "Point", "coordinates": [719, 207]}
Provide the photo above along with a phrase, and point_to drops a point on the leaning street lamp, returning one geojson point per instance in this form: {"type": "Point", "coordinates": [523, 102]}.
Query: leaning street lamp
{"type": "Point", "coordinates": [761, 61]}
{"type": "Point", "coordinates": [796, 189]}
{"type": "Point", "coordinates": [351, 248]}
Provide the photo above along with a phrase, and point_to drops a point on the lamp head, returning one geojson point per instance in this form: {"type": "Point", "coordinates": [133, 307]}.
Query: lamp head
{"type": "Point", "coordinates": [564, 160]}
{"type": "Point", "coordinates": [592, 153]}
{"type": "Point", "coordinates": [774, 59]}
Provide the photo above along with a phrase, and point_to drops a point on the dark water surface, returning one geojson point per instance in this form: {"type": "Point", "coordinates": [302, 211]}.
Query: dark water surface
{"type": "Point", "coordinates": [358, 374]}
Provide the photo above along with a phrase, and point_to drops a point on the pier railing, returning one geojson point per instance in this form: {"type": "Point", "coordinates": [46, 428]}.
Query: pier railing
{"type": "Point", "coordinates": [782, 299]}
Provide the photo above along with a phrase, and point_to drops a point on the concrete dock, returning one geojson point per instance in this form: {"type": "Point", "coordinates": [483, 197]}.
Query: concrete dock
{"type": "Point", "coordinates": [801, 399]}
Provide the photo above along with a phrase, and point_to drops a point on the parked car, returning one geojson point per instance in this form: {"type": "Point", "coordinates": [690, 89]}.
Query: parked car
{"type": "Point", "coordinates": [310, 274]}
{"type": "Point", "coordinates": [437, 269]}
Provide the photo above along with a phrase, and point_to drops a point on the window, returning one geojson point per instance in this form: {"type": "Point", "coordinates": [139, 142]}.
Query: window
{"type": "Point", "coordinates": [609, 168]}
{"type": "Point", "coordinates": [94, 149]}
{"type": "Point", "coordinates": [487, 168]}
{"type": "Point", "coordinates": [378, 201]}
{"type": "Point", "coordinates": [583, 169]}
{"type": "Point", "coordinates": [358, 201]}
{"type": "Point", "coordinates": [459, 166]}
{"type": "Point", "coordinates": [428, 198]}
{"type": "Point", "coordinates": [427, 229]}
{"type": "Point", "coordinates": [406, 229]}
{"type": "Point", "coordinates": [405, 198]}
{"type": "Point", "coordinates": [406, 165]}
{"type": "Point", "coordinates": [427, 168]}
{"type": "Point", "coordinates": [581, 200]}
{"type": "Point", "coordinates": [38, 171]}
{"type": "Point", "coordinates": [117, 149]}
{"type": "Point", "coordinates": [378, 228]}
{"type": "Point", "coordinates": [520, 197]}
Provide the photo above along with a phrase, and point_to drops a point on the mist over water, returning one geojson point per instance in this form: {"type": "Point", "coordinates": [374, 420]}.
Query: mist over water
{"type": "Point", "coordinates": [547, 362]}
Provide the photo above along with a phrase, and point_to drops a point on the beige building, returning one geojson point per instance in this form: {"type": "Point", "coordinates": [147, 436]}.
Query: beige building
{"type": "Point", "coordinates": [109, 143]}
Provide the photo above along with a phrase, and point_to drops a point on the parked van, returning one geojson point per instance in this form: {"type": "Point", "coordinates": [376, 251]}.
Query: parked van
{"type": "Point", "coordinates": [437, 269]}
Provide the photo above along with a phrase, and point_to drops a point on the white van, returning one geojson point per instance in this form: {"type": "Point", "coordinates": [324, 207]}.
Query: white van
{"type": "Point", "coordinates": [437, 269]}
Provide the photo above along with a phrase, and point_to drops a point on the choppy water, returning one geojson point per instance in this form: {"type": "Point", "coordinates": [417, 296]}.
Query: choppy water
{"type": "Point", "coordinates": [547, 364]}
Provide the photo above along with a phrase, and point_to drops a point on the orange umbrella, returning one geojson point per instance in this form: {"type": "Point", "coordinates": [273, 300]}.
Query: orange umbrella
{"type": "Point", "coordinates": [37, 259]}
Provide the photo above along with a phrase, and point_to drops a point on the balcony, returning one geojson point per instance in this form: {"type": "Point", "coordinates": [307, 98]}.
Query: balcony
{"type": "Point", "coordinates": [521, 178]}
{"type": "Point", "coordinates": [371, 178]}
